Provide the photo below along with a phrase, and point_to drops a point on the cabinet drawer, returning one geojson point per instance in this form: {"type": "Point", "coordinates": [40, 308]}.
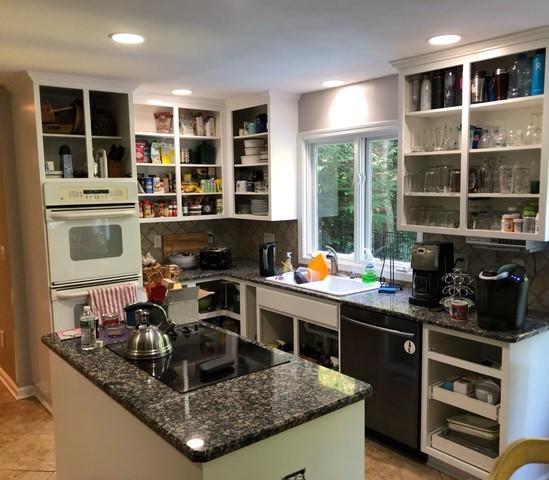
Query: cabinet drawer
{"type": "Point", "coordinates": [315, 311]}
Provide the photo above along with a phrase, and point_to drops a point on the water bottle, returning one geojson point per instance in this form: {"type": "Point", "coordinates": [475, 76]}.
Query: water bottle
{"type": "Point", "coordinates": [538, 73]}
{"type": "Point", "coordinates": [426, 93]}
{"type": "Point", "coordinates": [519, 77]}
{"type": "Point", "coordinates": [88, 334]}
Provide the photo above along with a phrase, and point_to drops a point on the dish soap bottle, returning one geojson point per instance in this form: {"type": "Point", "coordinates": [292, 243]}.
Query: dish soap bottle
{"type": "Point", "coordinates": [287, 265]}
{"type": "Point", "coordinates": [88, 334]}
{"type": "Point", "coordinates": [369, 275]}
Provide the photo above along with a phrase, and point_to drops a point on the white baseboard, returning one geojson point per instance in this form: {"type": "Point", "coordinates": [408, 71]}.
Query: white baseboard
{"type": "Point", "coordinates": [23, 392]}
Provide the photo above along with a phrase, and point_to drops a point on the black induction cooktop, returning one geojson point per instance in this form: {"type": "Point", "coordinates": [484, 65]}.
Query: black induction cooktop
{"type": "Point", "coordinates": [203, 355]}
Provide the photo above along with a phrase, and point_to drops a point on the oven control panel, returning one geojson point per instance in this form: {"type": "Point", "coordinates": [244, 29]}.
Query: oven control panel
{"type": "Point", "coordinates": [93, 193]}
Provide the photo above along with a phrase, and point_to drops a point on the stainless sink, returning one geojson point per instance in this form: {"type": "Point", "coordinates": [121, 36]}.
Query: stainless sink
{"type": "Point", "coordinates": [337, 286]}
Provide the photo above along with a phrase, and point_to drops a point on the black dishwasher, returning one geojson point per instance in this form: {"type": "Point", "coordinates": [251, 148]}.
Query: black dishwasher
{"type": "Point", "coordinates": [385, 352]}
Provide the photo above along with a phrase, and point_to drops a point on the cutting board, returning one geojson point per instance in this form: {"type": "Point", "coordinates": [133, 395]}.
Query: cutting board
{"type": "Point", "coordinates": [183, 242]}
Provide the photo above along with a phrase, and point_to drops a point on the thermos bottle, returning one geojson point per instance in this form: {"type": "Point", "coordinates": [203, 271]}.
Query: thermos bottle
{"type": "Point", "coordinates": [538, 73]}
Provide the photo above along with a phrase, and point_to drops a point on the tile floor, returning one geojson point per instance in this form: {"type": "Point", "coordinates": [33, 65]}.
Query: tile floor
{"type": "Point", "coordinates": [25, 426]}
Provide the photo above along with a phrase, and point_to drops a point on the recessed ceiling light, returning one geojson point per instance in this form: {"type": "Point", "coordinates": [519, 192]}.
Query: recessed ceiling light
{"type": "Point", "coordinates": [332, 83]}
{"type": "Point", "coordinates": [444, 39]}
{"type": "Point", "coordinates": [127, 38]}
{"type": "Point", "coordinates": [182, 91]}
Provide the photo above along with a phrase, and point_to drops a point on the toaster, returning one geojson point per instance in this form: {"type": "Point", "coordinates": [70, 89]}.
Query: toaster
{"type": "Point", "coordinates": [215, 258]}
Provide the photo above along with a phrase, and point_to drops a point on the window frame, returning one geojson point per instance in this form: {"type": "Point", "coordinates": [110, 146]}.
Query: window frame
{"type": "Point", "coordinates": [362, 136]}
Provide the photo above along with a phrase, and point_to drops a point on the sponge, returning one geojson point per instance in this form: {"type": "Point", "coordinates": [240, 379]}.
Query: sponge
{"type": "Point", "coordinates": [318, 264]}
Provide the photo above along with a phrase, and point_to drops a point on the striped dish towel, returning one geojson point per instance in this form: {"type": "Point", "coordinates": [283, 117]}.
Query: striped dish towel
{"type": "Point", "coordinates": [112, 299]}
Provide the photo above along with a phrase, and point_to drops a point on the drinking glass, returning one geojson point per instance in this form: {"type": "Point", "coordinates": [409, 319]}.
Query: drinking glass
{"type": "Point", "coordinates": [500, 139]}
{"type": "Point", "coordinates": [455, 180]}
{"type": "Point", "coordinates": [521, 179]}
{"type": "Point", "coordinates": [473, 180]}
{"type": "Point", "coordinates": [487, 138]}
{"type": "Point", "coordinates": [485, 178]}
{"type": "Point", "coordinates": [431, 180]}
{"type": "Point", "coordinates": [533, 132]}
{"type": "Point", "coordinates": [505, 179]}
{"type": "Point", "coordinates": [514, 137]}
{"type": "Point", "coordinates": [443, 178]}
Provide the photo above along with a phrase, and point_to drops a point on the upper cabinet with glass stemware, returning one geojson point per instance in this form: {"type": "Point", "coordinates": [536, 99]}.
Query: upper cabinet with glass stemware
{"type": "Point", "coordinates": [474, 148]}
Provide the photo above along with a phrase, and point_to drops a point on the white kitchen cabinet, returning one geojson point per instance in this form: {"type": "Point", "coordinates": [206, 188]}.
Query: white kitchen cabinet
{"type": "Point", "coordinates": [180, 167]}
{"type": "Point", "coordinates": [278, 171]}
{"type": "Point", "coordinates": [432, 138]}
{"type": "Point", "coordinates": [521, 412]}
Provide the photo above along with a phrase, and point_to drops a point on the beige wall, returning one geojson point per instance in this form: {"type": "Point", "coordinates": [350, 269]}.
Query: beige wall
{"type": "Point", "coordinates": [14, 361]}
{"type": "Point", "coordinates": [352, 105]}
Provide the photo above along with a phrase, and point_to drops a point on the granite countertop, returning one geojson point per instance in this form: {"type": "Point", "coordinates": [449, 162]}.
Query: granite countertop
{"type": "Point", "coordinates": [228, 415]}
{"type": "Point", "coordinates": [393, 304]}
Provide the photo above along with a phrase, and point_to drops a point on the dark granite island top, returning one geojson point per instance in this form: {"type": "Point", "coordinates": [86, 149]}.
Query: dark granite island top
{"type": "Point", "coordinates": [389, 304]}
{"type": "Point", "coordinates": [228, 415]}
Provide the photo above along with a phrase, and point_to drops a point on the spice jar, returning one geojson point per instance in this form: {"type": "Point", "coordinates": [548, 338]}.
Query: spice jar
{"type": "Point", "coordinates": [507, 224]}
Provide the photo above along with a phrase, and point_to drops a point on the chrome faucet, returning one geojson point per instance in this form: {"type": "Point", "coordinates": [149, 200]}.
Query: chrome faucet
{"type": "Point", "coordinates": [332, 256]}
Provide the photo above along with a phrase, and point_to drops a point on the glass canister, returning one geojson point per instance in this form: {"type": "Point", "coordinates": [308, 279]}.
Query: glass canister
{"type": "Point", "coordinates": [521, 179]}
{"type": "Point", "coordinates": [505, 179]}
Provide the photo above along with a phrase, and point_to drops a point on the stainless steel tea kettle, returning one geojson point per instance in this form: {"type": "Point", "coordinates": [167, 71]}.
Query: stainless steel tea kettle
{"type": "Point", "coordinates": [146, 341]}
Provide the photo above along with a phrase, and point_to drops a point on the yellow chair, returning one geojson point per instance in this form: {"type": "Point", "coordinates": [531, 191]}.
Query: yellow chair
{"type": "Point", "coordinates": [519, 453]}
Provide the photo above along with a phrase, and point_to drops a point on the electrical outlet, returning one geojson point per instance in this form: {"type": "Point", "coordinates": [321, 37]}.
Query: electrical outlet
{"type": "Point", "coordinates": [157, 241]}
{"type": "Point", "coordinates": [268, 237]}
{"type": "Point", "coordinates": [2, 344]}
{"type": "Point", "coordinates": [211, 239]}
{"type": "Point", "coordinates": [299, 475]}
{"type": "Point", "coordinates": [461, 261]}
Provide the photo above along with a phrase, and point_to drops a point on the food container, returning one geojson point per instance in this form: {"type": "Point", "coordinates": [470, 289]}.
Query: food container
{"type": "Point", "coordinates": [163, 122]}
{"type": "Point", "coordinates": [507, 224]}
{"type": "Point", "coordinates": [474, 426]}
{"type": "Point", "coordinates": [518, 225]}
{"type": "Point", "coordinates": [487, 391]}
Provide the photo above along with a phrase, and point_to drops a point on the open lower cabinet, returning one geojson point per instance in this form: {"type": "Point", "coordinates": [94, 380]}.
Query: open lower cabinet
{"type": "Point", "coordinates": [516, 368]}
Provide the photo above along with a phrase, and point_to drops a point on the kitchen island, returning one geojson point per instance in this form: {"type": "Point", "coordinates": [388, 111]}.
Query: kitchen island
{"type": "Point", "coordinates": [113, 420]}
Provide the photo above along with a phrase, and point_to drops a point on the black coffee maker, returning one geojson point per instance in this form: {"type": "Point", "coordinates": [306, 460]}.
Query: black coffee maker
{"type": "Point", "coordinates": [502, 298]}
{"type": "Point", "coordinates": [267, 259]}
{"type": "Point", "coordinates": [430, 261]}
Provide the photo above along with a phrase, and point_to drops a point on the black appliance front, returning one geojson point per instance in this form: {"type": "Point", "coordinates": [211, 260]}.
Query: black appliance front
{"type": "Point", "coordinates": [197, 346]}
{"type": "Point", "coordinates": [386, 353]}
{"type": "Point", "coordinates": [267, 259]}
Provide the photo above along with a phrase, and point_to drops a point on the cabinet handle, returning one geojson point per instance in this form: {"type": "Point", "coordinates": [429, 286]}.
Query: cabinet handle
{"type": "Point", "coordinates": [379, 329]}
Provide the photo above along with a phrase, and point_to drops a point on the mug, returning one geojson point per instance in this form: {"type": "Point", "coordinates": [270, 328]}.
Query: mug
{"type": "Point", "coordinates": [458, 310]}
{"type": "Point", "coordinates": [250, 128]}
{"type": "Point", "coordinates": [241, 186]}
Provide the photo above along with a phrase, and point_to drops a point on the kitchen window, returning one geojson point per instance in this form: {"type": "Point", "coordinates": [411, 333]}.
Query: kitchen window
{"type": "Point", "coordinates": [349, 197]}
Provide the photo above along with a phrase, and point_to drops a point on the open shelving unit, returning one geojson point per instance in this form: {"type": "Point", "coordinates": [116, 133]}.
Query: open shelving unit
{"type": "Point", "coordinates": [278, 171]}
{"type": "Point", "coordinates": [184, 135]}
{"type": "Point", "coordinates": [479, 213]}
{"type": "Point", "coordinates": [86, 121]}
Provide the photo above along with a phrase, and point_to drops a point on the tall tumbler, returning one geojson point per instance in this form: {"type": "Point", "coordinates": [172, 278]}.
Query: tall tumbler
{"type": "Point", "coordinates": [502, 83]}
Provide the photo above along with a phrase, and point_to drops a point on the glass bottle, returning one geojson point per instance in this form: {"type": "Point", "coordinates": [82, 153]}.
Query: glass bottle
{"type": "Point", "coordinates": [88, 334]}
{"type": "Point", "coordinates": [426, 93]}
{"type": "Point", "coordinates": [538, 73]}
{"type": "Point", "coordinates": [415, 90]}
{"type": "Point", "coordinates": [519, 77]}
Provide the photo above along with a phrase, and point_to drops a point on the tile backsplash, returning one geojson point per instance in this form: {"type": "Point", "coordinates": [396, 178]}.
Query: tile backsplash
{"type": "Point", "coordinates": [243, 237]}
{"type": "Point", "coordinates": [537, 265]}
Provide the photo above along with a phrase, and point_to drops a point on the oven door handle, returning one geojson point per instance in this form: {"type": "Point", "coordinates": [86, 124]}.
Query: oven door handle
{"type": "Point", "coordinates": [72, 295]}
{"type": "Point", "coordinates": [390, 331]}
{"type": "Point", "coordinates": [79, 215]}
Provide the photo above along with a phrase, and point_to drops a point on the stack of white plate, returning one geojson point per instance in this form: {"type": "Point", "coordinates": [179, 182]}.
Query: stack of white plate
{"type": "Point", "coordinates": [260, 206]}
{"type": "Point", "coordinates": [255, 150]}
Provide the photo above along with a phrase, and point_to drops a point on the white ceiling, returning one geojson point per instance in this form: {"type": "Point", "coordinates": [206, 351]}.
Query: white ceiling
{"type": "Point", "coordinates": [222, 48]}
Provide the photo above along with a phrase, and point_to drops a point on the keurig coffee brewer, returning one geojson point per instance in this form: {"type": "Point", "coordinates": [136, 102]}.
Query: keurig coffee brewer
{"type": "Point", "coordinates": [502, 298]}
{"type": "Point", "coordinates": [430, 261]}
